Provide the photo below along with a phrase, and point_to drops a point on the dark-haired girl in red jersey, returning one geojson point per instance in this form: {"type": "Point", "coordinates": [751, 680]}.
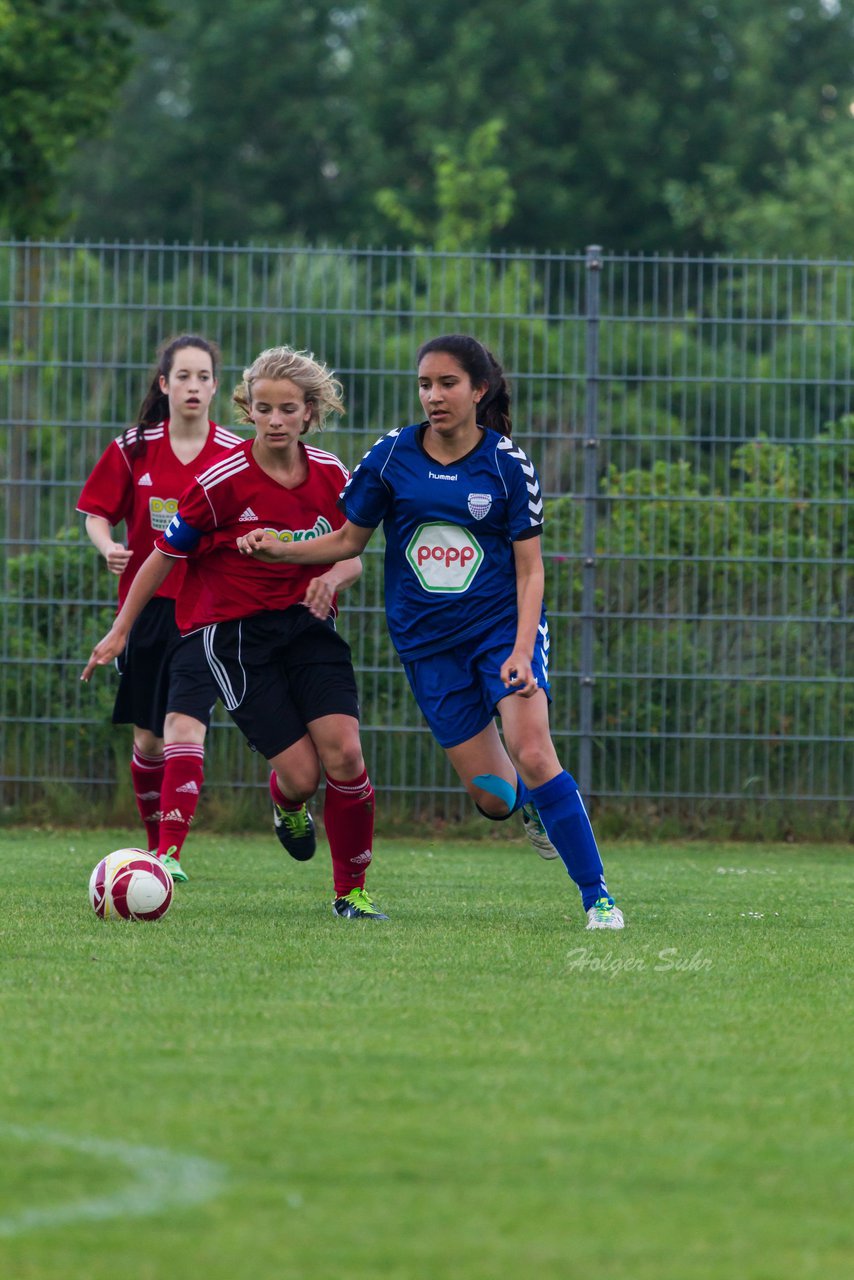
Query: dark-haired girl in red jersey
{"type": "Point", "coordinates": [165, 690]}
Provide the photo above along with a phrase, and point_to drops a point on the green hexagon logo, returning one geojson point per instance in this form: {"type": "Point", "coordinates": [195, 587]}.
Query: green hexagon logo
{"type": "Point", "coordinates": [444, 557]}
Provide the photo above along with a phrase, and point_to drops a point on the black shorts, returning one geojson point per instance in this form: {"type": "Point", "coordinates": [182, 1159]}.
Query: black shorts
{"type": "Point", "coordinates": [161, 671]}
{"type": "Point", "coordinates": [278, 671]}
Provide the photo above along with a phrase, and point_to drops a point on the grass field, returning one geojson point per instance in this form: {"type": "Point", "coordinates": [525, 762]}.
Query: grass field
{"type": "Point", "coordinates": [477, 1089]}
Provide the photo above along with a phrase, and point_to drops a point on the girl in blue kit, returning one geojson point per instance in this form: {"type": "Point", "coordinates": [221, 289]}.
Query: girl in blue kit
{"type": "Point", "coordinates": [462, 513]}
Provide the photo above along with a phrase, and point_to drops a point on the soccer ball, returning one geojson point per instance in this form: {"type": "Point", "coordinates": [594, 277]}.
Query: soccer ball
{"type": "Point", "coordinates": [131, 884]}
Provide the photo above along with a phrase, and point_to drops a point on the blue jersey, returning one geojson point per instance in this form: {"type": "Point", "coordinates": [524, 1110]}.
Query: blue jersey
{"type": "Point", "coordinates": [449, 568]}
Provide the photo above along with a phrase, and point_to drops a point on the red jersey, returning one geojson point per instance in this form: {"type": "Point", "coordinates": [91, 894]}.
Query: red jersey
{"type": "Point", "coordinates": [144, 492]}
{"type": "Point", "coordinates": [232, 497]}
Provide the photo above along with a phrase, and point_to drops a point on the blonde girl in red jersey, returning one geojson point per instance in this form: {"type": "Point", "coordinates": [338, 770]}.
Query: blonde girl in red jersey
{"type": "Point", "coordinates": [165, 690]}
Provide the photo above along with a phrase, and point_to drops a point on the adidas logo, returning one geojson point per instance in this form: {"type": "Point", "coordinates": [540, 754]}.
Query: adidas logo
{"type": "Point", "coordinates": [363, 858]}
{"type": "Point", "coordinates": [248, 514]}
{"type": "Point", "coordinates": [146, 479]}
{"type": "Point", "coordinates": [190, 788]}
{"type": "Point", "coordinates": [149, 795]}
{"type": "Point", "coordinates": [174, 815]}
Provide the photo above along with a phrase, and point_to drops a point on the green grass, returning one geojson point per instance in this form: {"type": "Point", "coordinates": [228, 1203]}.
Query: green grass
{"type": "Point", "coordinates": [477, 1089]}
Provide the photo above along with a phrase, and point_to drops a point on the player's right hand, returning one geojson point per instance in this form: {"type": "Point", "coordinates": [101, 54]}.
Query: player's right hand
{"type": "Point", "coordinates": [117, 557]}
{"type": "Point", "coordinates": [105, 651]}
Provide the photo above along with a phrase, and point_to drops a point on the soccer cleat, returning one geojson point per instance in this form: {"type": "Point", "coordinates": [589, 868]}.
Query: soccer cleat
{"type": "Point", "coordinates": [357, 906]}
{"type": "Point", "coordinates": [604, 914]}
{"type": "Point", "coordinates": [295, 831]}
{"type": "Point", "coordinates": [536, 832]}
{"type": "Point", "coordinates": [173, 866]}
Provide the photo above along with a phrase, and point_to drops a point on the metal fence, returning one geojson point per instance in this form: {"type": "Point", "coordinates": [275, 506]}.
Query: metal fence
{"type": "Point", "coordinates": [690, 420]}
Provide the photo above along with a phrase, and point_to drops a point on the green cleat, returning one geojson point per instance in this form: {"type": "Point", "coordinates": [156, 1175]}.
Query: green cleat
{"type": "Point", "coordinates": [172, 865]}
{"type": "Point", "coordinates": [604, 914]}
{"type": "Point", "coordinates": [357, 906]}
{"type": "Point", "coordinates": [295, 831]}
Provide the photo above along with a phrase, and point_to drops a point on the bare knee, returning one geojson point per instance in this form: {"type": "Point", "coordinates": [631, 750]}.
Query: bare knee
{"type": "Point", "coordinates": [298, 785]}
{"type": "Point", "coordinates": [344, 760]}
{"type": "Point", "coordinates": [536, 762]}
{"type": "Point", "coordinates": [183, 728]}
{"type": "Point", "coordinates": [147, 742]}
{"type": "Point", "coordinates": [297, 771]}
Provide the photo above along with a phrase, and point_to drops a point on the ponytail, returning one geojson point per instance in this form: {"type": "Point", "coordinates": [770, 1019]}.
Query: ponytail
{"type": "Point", "coordinates": [494, 408]}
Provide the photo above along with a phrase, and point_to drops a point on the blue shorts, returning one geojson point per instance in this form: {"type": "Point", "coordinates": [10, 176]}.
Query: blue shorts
{"type": "Point", "coordinates": [458, 690]}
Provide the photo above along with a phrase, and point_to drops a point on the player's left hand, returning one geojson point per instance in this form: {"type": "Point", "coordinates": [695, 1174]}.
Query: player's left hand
{"type": "Point", "coordinates": [517, 675]}
{"type": "Point", "coordinates": [318, 598]}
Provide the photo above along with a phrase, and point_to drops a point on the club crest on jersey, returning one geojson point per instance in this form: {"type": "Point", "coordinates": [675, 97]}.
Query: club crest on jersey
{"type": "Point", "coordinates": [479, 504]}
{"type": "Point", "coordinates": [444, 557]}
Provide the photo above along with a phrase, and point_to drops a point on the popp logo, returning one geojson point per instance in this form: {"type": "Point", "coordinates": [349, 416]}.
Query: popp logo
{"type": "Point", "coordinates": [444, 557]}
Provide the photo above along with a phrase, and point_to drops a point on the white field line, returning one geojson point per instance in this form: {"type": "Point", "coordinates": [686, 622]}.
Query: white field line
{"type": "Point", "coordinates": [158, 1180]}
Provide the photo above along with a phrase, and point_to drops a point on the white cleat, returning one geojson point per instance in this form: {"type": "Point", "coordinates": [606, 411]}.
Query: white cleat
{"type": "Point", "coordinates": [604, 914]}
{"type": "Point", "coordinates": [536, 833]}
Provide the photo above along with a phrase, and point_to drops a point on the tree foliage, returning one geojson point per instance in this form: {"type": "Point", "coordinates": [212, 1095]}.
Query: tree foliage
{"type": "Point", "coordinates": [473, 196]}
{"type": "Point", "coordinates": [805, 211]}
{"type": "Point", "coordinates": [61, 65]}
{"type": "Point", "coordinates": [343, 123]}
{"type": "Point", "coordinates": [238, 122]}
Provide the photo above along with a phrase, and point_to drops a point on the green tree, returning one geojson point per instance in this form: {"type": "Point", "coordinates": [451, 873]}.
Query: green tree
{"type": "Point", "coordinates": [806, 210]}
{"type": "Point", "coordinates": [473, 196]}
{"type": "Point", "coordinates": [604, 104]}
{"type": "Point", "coordinates": [238, 123]}
{"type": "Point", "coordinates": [61, 65]}
{"type": "Point", "coordinates": [249, 121]}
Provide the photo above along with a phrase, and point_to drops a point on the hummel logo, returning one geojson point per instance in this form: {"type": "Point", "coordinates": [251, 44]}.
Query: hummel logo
{"type": "Point", "coordinates": [190, 788]}
{"type": "Point", "coordinates": [248, 514]}
{"type": "Point", "coordinates": [146, 479]}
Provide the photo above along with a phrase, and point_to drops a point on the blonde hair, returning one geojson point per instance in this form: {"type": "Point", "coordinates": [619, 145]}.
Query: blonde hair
{"type": "Point", "coordinates": [322, 390]}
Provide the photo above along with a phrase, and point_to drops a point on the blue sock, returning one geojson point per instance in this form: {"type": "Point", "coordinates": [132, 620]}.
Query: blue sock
{"type": "Point", "coordinates": [567, 825]}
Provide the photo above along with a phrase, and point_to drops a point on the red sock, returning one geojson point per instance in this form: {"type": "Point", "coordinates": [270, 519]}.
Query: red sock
{"type": "Point", "coordinates": [182, 785]}
{"type": "Point", "coordinates": [348, 816]}
{"type": "Point", "coordinates": [147, 777]}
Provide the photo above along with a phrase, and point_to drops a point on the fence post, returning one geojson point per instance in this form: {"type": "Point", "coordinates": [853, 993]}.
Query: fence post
{"type": "Point", "coordinates": [589, 496]}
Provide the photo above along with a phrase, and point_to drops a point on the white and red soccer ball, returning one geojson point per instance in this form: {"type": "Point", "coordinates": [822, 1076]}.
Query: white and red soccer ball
{"type": "Point", "coordinates": [132, 885]}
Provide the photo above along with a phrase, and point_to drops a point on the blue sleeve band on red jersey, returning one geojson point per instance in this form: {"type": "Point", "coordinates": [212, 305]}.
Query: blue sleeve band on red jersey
{"type": "Point", "coordinates": [180, 535]}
